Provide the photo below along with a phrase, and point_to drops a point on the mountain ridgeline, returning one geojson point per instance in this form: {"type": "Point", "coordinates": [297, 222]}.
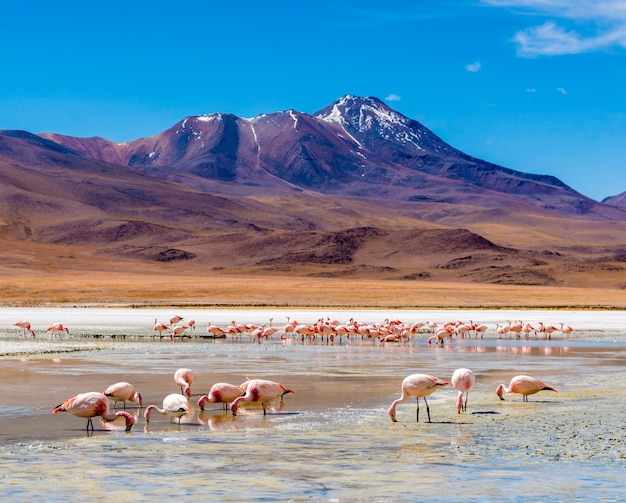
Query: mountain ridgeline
{"type": "Point", "coordinates": [356, 186]}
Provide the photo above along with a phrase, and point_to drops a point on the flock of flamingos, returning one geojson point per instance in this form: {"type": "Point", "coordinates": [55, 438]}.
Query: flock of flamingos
{"type": "Point", "coordinates": [266, 392]}
{"type": "Point", "coordinates": [330, 330]}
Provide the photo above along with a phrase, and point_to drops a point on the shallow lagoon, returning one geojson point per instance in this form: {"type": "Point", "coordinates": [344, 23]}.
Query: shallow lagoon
{"type": "Point", "coordinates": [333, 441]}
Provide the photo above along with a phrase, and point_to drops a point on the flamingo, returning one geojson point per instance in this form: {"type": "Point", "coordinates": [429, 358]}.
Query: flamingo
{"type": "Point", "coordinates": [93, 404]}
{"type": "Point", "coordinates": [524, 385]}
{"type": "Point", "coordinates": [260, 390]}
{"type": "Point", "coordinates": [160, 327]}
{"type": "Point", "coordinates": [215, 331]}
{"type": "Point", "coordinates": [175, 319]}
{"type": "Point", "coordinates": [417, 385]}
{"type": "Point", "coordinates": [174, 405]}
{"type": "Point", "coordinates": [192, 324]}
{"type": "Point", "coordinates": [546, 329]}
{"type": "Point", "coordinates": [57, 328]}
{"type": "Point", "coordinates": [566, 329]}
{"type": "Point", "coordinates": [441, 334]}
{"type": "Point", "coordinates": [462, 380]}
{"type": "Point", "coordinates": [178, 331]}
{"type": "Point", "coordinates": [25, 327]}
{"type": "Point", "coordinates": [184, 377]}
{"type": "Point", "coordinates": [122, 392]}
{"type": "Point", "coordinates": [516, 328]}
{"type": "Point", "coordinates": [221, 392]}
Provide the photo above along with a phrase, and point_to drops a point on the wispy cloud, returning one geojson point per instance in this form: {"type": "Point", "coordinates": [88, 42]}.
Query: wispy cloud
{"type": "Point", "coordinates": [473, 67]}
{"type": "Point", "coordinates": [605, 18]}
{"type": "Point", "coordinates": [531, 90]}
{"type": "Point", "coordinates": [393, 97]}
{"type": "Point", "coordinates": [561, 90]}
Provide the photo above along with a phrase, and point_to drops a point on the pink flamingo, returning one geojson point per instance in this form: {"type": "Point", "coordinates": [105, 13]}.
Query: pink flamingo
{"type": "Point", "coordinates": [174, 405]}
{"type": "Point", "coordinates": [463, 380]}
{"type": "Point", "coordinates": [260, 390]}
{"type": "Point", "coordinates": [192, 324]}
{"type": "Point", "coordinates": [417, 385]}
{"type": "Point", "coordinates": [57, 328]}
{"type": "Point", "coordinates": [123, 392]}
{"type": "Point", "coordinates": [221, 392]}
{"type": "Point", "coordinates": [90, 405]}
{"type": "Point", "coordinates": [184, 377]}
{"type": "Point", "coordinates": [215, 331]}
{"type": "Point", "coordinates": [178, 331]}
{"type": "Point", "coordinates": [441, 334]}
{"type": "Point", "coordinates": [25, 327]}
{"type": "Point", "coordinates": [566, 329]}
{"type": "Point", "coordinates": [523, 385]}
{"type": "Point", "coordinates": [175, 319]}
{"type": "Point", "coordinates": [160, 327]}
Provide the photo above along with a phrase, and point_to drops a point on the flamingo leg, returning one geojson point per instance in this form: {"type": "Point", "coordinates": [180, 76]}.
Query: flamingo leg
{"type": "Point", "coordinates": [89, 423]}
{"type": "Point", "coordinates": [465, 404]}
{"type": "Point", "coordinates": [417, 419]}
{"type": "Point", "coordinates": [427, 409]}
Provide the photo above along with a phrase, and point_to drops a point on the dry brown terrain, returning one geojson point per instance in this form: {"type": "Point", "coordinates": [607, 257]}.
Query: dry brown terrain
{"type": "Point", "coordinates": [50, 275]}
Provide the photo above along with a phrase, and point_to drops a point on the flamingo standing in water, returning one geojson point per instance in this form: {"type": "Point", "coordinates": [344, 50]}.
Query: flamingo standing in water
{"type": "Point", "coordinates": [215, 331]}
{"type": "Point", "coordinates": [566, 329]}
{"type": "Point", "coordinates": [160, 328]}
{"type": "Point", "coordinates": [524, 385]}
{"type": "Point", "coordinates": [123, 392]}
{"type": "Point", "coordinates": [184, 377]}
{"type": "Point", "coordinates": [174, 405]}
{"type": "Point", "coordinates": [417, 385]}
{"type": "Point", "coordinates": [221, 392]}
{"type": "Point", "coordinates": [91, 405]}
{"type": "Point", "coordinates": [25, 327]}
{"type": "Point", "coordinates": [260, 390]}
{"type": "Point", "coordinates": [57, 328]}
{"type": "Point", "coordinates": [463, 380]}
{"type": "Point", "coordinates": [175, 319]}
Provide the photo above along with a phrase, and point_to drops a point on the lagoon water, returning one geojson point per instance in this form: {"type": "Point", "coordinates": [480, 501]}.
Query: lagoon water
{"type": "Point", "coordinates": [333, 439]}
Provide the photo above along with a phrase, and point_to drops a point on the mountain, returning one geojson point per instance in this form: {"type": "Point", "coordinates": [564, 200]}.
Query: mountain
{"type": "Point", "coordinates": [618, 200]}
{"type": "Point", "coordinates": [354, 189]}
{"type": "Point", "coordinates": [354, 147]}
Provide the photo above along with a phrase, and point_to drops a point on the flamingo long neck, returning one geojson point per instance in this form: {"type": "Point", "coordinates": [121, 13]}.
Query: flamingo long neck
{"type": "Point", "coordinates": [130, 420]}
{"type": "Point", "coordinates": [150, 408]}
{"type": "Point", "coordinates": [459, 401]}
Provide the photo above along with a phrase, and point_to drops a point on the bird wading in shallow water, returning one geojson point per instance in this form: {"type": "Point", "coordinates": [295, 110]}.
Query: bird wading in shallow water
{"type": "Point", "coordinates": [184, 377]}
{"type": "Point", "coordinates": [260, 390]}
{"type": "Point", "coordinates": [463, 380]}
{"type": "Point", "coordinates": [174, 406]}
{"type": "Point", "coordinates": [524, 385]}
{"type": "Point", "coordinates": [123, 392]}
{"type": "Point", "coordinates": [419, 386]}
{"type": "Point", "coordinates": [24, 327]}
{"type": "Point", "coordinates": [93, 404]}
{"type": "Point", "coordinates": [221, 392]}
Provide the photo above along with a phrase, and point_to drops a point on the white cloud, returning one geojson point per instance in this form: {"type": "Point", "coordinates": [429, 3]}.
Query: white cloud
{"type": "Point", "coordinates": [393, 97]}
{"type": "Point", "coordinates": [531, 90]}
{"type": "Point", "coordinates": [607, 19]}
{"type": "Point", "coordinates": [561, 90]}
{"type": "Point", "coordinates": [473, 67]}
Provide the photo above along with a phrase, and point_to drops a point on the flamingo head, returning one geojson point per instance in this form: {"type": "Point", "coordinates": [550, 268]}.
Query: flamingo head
{"type": "Point", "coordinates": [139, 399]}
{"type": "Point", "coordinates": [499, 391]}
{"type": "Point", "coordinates": [201, 401]}
{"type": "Point", "coordinates": [188, 390]}
{"type": "Point", "coordinates": [130, 420]}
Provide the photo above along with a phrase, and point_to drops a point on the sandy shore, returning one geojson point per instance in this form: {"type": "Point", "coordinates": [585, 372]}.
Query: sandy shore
{"type": "Point", "coordinates": [211, 289]}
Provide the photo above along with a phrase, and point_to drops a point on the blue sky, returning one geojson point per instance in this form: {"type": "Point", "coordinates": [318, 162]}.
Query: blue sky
{"type": "Point", "coordinates": [533, 85]}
